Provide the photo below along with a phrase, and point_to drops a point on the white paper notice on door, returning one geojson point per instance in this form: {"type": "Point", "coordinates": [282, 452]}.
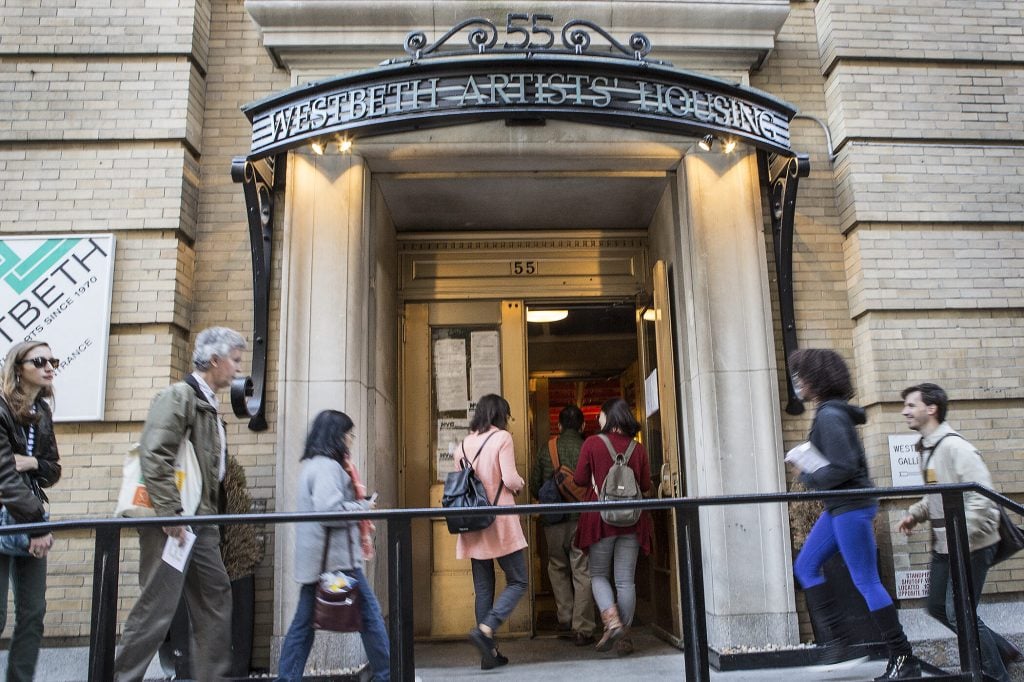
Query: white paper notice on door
{"type": "Point", "coordinates": [485, 364]}
{"type": "Point", "coordinates": [450, 374]}
{"type": "Point", "coordinates": [450, 433]}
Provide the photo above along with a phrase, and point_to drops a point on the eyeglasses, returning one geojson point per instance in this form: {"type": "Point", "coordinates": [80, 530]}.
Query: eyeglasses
{"type": "Point", "coordinates": [40, 362]}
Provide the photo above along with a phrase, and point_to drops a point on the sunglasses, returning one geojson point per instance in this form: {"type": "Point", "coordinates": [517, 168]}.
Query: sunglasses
{"type": "Point", "coordinates": [40, 362]}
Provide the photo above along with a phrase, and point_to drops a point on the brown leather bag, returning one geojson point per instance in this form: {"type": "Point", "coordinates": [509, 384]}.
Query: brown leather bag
{"type": "Point", "coordinates": [341, 610]}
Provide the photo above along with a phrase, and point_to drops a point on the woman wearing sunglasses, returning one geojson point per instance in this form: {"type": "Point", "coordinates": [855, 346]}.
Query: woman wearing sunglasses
{"type": "Point", "coordinates": [29, 462]}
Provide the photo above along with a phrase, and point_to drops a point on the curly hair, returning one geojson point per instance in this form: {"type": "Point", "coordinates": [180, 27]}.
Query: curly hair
{"type": "Point", "coordinates": [823, 371]}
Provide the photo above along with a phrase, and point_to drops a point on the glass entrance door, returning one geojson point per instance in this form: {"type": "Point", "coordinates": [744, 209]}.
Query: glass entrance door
{"type": "Point", "coordinates": [658, 574]}
{"type": "Point", "coordinates": [453, 353]}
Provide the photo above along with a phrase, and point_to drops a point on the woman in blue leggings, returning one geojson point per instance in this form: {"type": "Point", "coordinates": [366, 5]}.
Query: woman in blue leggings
{"type": "Point", "coordinates": [846, 524]}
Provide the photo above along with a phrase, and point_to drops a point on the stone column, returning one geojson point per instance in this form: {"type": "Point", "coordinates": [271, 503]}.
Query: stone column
{"type": "Point", "coordinates": [327, 342]}
{"type": "Point", "coordinates": [734, 438]}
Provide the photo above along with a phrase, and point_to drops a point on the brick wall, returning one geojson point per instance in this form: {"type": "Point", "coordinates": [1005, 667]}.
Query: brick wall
{"type": "Point", "coordinates": [124, 117]}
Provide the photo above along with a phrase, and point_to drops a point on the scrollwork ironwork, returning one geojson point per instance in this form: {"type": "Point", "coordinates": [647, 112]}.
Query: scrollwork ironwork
{"type": "Point", "coordinates": [482, 38]}
{"type": "Point", "coordinates": [248, 394]}
{"type": "Point", "coordinates": [783, 178]}
{"type": "Point", "coordinates": [575, 34]}
{"type": "Point", "coordinates": [576, 38]}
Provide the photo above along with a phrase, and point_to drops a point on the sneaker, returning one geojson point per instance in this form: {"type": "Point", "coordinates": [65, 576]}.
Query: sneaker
{"type": "Point", "coordinates": [901, 668]}
{"type": "Point", "coordinates": [582, 639]}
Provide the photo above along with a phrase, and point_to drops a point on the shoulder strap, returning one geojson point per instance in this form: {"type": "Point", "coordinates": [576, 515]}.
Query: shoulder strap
{"type": "Point", "coordinates": [501, 484]}
{"type": "Point", "coordinates": [481, 446]}
{"type": "Point", "coordinates": [629, 450]}
{"type": "Point", "coordinates": [608, 444]}
{"type": "Point", "coordinates": [553, 451]}
{"type": "Point", "coordinates": [932, 449]}
{"type": "Point", "coordinates": [611, 448]}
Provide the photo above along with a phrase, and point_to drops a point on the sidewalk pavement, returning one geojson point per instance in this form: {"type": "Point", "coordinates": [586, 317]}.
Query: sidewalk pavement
{"type": "Point", "coordinates": [547, 659]}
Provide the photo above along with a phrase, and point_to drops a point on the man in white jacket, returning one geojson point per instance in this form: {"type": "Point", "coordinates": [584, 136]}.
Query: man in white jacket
{"type": "Point", "coordinates": [947, 457]}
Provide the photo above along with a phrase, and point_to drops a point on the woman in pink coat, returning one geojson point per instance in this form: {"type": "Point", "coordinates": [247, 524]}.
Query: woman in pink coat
{"type": "Point", "coordinates": [489, 448]}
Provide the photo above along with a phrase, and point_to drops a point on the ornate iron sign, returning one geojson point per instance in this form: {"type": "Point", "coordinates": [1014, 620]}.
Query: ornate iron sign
{"type": "Point", "coordinates": [530, 77]}
{"type": "Point", "coordinates": [450, 90]}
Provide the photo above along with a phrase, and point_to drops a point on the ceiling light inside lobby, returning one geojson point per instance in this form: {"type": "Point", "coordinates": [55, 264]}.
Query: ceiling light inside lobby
{"type": "Point", "coordinates": [546, 315]}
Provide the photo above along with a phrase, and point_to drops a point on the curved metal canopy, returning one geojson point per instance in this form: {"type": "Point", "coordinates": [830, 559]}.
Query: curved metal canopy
{"type": "Point", "coordinates": [526, 81]}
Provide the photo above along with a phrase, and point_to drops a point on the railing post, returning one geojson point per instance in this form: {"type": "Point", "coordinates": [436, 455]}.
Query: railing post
{"type": "Point", "coordinates": [400, 614]}
{"type": "Point", "coordinates": [963, 592]}
{"type": "Point", "coordinates": [691, 579]}
{"type": "Point", "coordinates": [104, 603]}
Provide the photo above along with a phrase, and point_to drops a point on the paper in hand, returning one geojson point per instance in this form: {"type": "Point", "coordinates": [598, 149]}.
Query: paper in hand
{"type": "Point", "coordinates": [806, 458]}
{"type": "Point", "coordinates": [175, 555]}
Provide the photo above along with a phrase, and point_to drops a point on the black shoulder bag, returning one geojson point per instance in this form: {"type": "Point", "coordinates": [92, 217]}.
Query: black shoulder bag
{"type": "Point", "coordinates": [463, 490]}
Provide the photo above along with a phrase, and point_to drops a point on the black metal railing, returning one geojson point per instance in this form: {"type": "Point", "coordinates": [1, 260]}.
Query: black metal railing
{"type": "Point", "coordinates": [399, 557]}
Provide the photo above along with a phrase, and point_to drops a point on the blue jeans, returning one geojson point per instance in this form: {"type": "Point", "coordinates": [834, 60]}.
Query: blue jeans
{"type": "Point", "coordinates": [299, 640]}
{"type": "Point", "coordinates": [941, 608]}
{"type": "Point", "coordinates": [615, 554]}
{"type": "Point", "coordinates": [488, 611]}
{"type": "Point", "coordinates": [852, 534]}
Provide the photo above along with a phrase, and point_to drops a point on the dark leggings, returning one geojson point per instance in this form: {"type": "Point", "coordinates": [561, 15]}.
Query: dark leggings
{"type": "Point", "coordinates": [851, 534]}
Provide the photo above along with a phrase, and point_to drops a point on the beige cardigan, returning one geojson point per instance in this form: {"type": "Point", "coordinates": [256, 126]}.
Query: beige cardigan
{"type": "Point", "coordinates": [956, 461]}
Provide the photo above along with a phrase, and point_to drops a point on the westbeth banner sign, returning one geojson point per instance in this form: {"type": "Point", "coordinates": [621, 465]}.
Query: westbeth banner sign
{"type": "Point", "coordinates": [57, 289]}
{"type": "Point", "coordinates": [450, 91]}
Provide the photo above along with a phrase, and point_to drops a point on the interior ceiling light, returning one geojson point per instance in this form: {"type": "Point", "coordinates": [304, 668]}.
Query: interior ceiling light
{"type": "Point", "coordinates": [706, 142]}
{"type": "Point", "coordinates": [318, 148]}
{"type": "Point", "coordinates": [651, 315]}
{"type": "Point", "coordinates": [729, 146]}
{"type": "Point", "coordinates": [345, 146]}
{"type": "Point", "coordinates": [546, 315]}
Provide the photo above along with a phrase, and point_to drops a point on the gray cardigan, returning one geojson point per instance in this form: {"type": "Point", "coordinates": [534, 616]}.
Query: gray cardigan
{"type": "Point", "coordinates": [324, 486]}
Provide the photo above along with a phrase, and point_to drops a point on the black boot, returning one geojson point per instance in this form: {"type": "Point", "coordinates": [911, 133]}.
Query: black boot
{"type": "Point", "coordinates": [1007, 651]}
{"type": "Point", "coordinates": [902, 664]}
{"type": "Point", "coordinates": [832, 638]}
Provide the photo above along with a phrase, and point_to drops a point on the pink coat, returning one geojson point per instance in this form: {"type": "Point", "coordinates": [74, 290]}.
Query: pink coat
{"type": "Point", "coordinates": [495, 465]}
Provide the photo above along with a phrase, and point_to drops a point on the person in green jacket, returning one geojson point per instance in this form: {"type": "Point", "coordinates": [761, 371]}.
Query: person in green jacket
{"type": "Point", "coordinates": [187, 409]}
{"type": "Point", "coordinates": [568, 566]}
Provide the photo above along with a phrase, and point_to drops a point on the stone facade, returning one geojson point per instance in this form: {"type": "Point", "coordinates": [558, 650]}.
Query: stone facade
{"type": "Point", "coordinates": [124, 116]}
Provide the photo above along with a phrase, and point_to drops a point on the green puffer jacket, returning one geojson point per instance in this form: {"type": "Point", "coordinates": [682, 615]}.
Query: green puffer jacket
{"type": "Point", "coordinates": [174, 411]}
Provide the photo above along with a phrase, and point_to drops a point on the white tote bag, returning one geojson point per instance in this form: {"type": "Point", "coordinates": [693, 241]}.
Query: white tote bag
{"type": "Point", "coordinates": [133, 499]}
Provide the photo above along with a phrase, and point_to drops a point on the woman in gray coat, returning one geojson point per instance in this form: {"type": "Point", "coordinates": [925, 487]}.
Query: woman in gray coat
{"type": "Point", "coordinates": [325, 484]}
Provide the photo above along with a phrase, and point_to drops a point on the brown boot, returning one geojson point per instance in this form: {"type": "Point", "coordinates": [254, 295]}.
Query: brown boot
{"type": "Point", "coordinates": [613, 629]}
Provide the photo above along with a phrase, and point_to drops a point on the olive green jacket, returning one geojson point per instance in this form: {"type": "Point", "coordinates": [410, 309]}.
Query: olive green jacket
{"type": "Point", "coordinates": [174, 411]}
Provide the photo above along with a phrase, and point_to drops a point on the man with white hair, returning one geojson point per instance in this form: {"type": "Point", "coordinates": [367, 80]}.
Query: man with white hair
{"type": "Point", "coordinates": [187, 409]}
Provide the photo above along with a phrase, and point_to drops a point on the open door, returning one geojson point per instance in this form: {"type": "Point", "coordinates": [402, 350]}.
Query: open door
{"type": "Point", "coordinates": [660, 590]}
{"type": "Point", "coordinates": [453, 353]}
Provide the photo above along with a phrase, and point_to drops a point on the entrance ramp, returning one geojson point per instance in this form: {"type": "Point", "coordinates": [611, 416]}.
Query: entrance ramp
{"type": "Point", "coordinates": [548, 659]}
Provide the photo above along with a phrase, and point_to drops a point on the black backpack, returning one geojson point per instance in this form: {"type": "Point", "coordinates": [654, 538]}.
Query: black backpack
{"type": "Point", "coordinates": [463, 490]}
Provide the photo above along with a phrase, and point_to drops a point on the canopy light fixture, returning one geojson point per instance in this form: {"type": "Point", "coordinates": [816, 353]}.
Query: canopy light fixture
{"type": "Point", "coordinates": [318, 148]}
{"type": "Point", "coordinates": [546, 315]}
{"type": "Point", "coordinates": [728, 146]}
{"type": "Point", "coordinates": [345, 145]}
{"type": "Point", "coordinates": [706, 142]}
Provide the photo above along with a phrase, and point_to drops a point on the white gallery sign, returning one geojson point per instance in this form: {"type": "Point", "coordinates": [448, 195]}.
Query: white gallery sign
{"type": "Point", "coordinates": [57, 289]}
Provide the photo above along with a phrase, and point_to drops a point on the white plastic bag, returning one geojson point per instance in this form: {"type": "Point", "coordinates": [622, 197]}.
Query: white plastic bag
{"type": "Point", "coordinates": [133, 499]}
